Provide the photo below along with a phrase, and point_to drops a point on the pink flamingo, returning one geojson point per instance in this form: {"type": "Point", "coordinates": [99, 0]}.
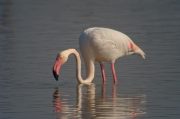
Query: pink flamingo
{"type": "Point", "coordinates": [98, 44]}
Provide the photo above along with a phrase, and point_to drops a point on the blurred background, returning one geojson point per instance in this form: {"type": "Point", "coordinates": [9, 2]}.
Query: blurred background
{"type": "Point", "coordinates": [33, 32]}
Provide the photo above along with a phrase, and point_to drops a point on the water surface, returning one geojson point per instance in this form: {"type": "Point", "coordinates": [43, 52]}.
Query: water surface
{"type": "Point", "coordinates": [33, 32]}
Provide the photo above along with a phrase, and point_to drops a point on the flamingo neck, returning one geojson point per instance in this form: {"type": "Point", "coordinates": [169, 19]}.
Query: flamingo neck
{"type": "Point", "coordinates": [89, 68]}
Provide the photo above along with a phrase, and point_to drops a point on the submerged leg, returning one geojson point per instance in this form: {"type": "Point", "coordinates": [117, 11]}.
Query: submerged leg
{"type": "Point", "coordinates": [114, 73]}
{"type": "Point", "coordinates": [103, 73]}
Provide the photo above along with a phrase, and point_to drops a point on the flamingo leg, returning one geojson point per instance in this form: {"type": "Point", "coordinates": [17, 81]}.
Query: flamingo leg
{"type": "Point", "coordinates": [114, 73]}
{"type": "Point", "coordinates": [114, 91]}
{"type": "Point", "coordinates": [103, 73]}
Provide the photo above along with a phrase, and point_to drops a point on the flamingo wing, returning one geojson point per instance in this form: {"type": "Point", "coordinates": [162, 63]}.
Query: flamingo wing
{"type": "Point", "coordinates": [107, 44]}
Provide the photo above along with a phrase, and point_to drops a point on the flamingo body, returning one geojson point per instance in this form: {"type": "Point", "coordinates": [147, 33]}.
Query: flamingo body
{"type": "Point", "coordinates": [103, 44]}
{"type": "Point", "coordinates": [99, 44]}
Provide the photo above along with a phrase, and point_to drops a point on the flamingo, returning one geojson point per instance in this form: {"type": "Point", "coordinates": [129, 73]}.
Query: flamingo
{"type": "Point", "coordinates": [98, 44]}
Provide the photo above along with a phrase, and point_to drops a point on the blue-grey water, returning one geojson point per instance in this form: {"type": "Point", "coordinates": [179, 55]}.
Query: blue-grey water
{"type": "Point", "coordinates": [33, 32]}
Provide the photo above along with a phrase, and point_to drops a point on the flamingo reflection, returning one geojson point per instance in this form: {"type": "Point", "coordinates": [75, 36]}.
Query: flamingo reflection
{"type": "Point", "coordinates": [57, 101]}
{"type": "Point", "coordinates": [91, 104]}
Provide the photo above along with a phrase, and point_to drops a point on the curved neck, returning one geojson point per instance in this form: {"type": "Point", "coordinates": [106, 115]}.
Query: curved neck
{"type": "Point", "coordinates": [89, 68]}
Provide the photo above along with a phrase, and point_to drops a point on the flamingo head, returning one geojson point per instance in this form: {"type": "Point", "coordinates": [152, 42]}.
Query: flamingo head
{"type": "Point", "coordinates": [61, 58]}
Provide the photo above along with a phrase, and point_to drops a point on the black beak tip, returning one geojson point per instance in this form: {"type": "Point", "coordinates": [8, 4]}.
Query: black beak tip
{"type": "Point", "coordinates": [55, 75]}
{"type": "Point", "coordinates": [56, 78]}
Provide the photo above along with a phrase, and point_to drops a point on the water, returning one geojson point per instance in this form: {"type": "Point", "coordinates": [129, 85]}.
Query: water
{"type": "Point", "coordinates": [33, 32]}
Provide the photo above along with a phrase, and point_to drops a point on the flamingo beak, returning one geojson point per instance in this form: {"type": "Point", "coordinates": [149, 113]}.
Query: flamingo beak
{"type": "Point", "coordinates": [56, 68]}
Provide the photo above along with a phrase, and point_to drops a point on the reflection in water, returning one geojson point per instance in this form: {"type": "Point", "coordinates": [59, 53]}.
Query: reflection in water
{"type": "Point", "coordinates": [100, 105]}
{"type": "Point", "coordinates": [120, 105]}
{"type": "Point", "coordinates": [57, 102]}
